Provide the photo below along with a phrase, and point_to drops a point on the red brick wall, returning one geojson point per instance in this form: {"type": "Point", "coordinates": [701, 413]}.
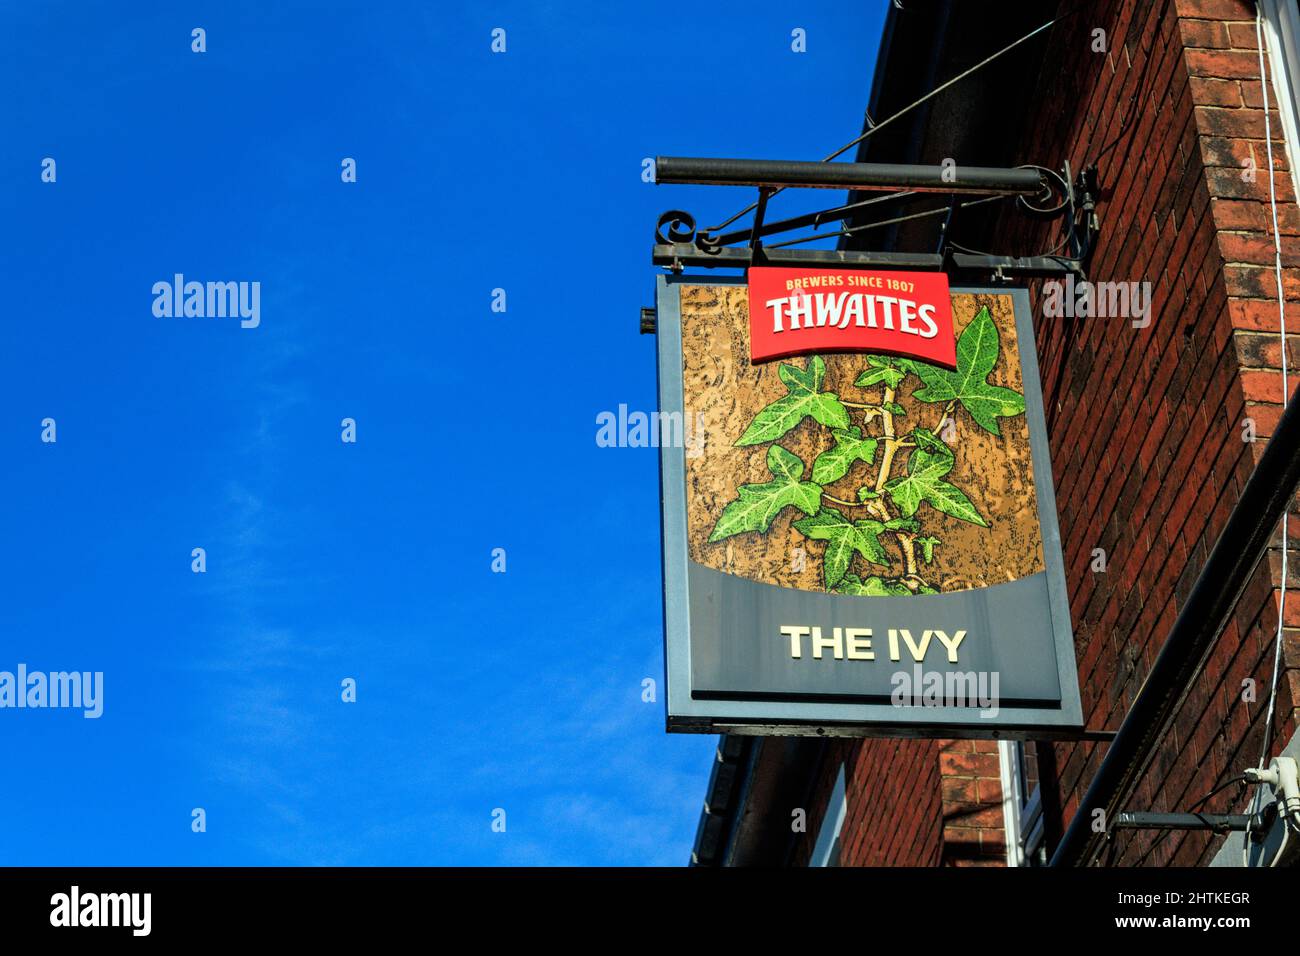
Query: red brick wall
{"type": "Point", "coordinates": [901, 776]}
{"type": "Point", "coordinates": [971, 791]}
{"type": "Point", "coordinates": [1146, 426]}
{"type": "Point", "coordinates": [1147, 436]}
{"type": "Point", "coordinates": [913, 803]}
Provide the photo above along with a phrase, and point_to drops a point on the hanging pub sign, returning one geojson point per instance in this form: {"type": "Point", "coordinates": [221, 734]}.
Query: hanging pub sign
{"type": "Point", "coordinates": [865, 541]}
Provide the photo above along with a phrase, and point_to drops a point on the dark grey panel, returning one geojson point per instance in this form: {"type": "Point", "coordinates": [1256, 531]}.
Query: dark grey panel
{"type": "Point", "coordinates": [738, 651]}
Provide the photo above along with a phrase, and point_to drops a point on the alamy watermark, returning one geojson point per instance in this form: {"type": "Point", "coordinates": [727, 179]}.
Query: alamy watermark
{"type": "Point", "coordinates": [650, 430]}
{"type": "Point", "coordinates": [925, 688]}
{"type": "Point", "coordinates": [1084, 300]}
{"type": "Point", "coordinates": [129, 910]}
{"type": "Point", "coordinates": [24, 689]}
{"type": "Point", "coordinates": [209, 300]}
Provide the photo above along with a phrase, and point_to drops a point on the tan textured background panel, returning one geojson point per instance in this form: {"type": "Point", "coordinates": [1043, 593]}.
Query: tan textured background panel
{"type": "Point", "coordinates": [994, 472]}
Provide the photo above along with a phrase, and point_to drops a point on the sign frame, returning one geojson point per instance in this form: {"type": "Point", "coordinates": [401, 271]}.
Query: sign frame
{"type": "Point", "coordinates": [688, 713]}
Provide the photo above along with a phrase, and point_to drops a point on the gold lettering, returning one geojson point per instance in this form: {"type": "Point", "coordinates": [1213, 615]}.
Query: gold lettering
{"type": "Point", "coordinates": [858, 644]}
{"type": "Point", "coordinates": [794, 632]}
{"type": "Point", "coordinates": [835, 643]}
{"type": "Point", "coordinates": [855, 643]}
{"type": "Point", "coordinates": [918, 652]}
{"type": "Point", "coordinates": [952, 643]}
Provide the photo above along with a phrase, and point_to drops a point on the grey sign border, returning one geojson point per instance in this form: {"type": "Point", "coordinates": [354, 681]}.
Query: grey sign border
{"type": "Point", "coordinates": [687, 714]}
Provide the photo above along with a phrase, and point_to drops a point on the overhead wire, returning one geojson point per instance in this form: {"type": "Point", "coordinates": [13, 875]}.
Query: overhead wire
{"type": "Point", "coordinates": [874, 128]}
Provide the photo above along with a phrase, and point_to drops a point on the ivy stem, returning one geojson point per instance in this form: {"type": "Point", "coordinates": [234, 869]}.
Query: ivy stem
{"type": "Point", "coordinates": [891, 443]}
{"type": "Point", "coordinates": [908, 543]}
{"type": "Point", "coordinates": [878, 506]}
{"type": "Point", "coordinates": [857, 404]}
{"type": "Point", "coordinates": [840, 501]}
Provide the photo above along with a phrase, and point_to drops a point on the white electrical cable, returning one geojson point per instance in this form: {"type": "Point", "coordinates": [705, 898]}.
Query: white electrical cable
{"type": "Point", "coordinates": [873, 126]}
{"type": "Point", "coordinates": [1286, 391]}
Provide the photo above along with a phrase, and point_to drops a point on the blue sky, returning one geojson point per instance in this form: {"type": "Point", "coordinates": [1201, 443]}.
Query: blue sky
{"type": "Point", "coordinates": [475, 430]}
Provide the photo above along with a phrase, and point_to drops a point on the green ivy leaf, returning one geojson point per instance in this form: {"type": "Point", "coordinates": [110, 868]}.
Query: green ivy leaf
{"type": "Point", "coordinates": [805, 398]}
{"type": "Point", "coordinates": [978, 349]}
{"type": "Point", "coordinates": [929, 462]}
{"type": "Point", "coordinates": [759, 504]}
{"type": "Point", "coordinates": [834, 463]}
{"type": "Point", "coordinates": [873, 587]}
{"type": "Point", "coordinates": [843, 537]}
{"type": "Point", "coordinates": [883, 369]}
{"type": "Point", "coordinates": [927, 548]}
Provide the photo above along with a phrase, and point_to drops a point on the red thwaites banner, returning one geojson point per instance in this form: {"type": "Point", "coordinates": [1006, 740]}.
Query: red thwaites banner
{"type": "Point", "coordinates": [798, 311]}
